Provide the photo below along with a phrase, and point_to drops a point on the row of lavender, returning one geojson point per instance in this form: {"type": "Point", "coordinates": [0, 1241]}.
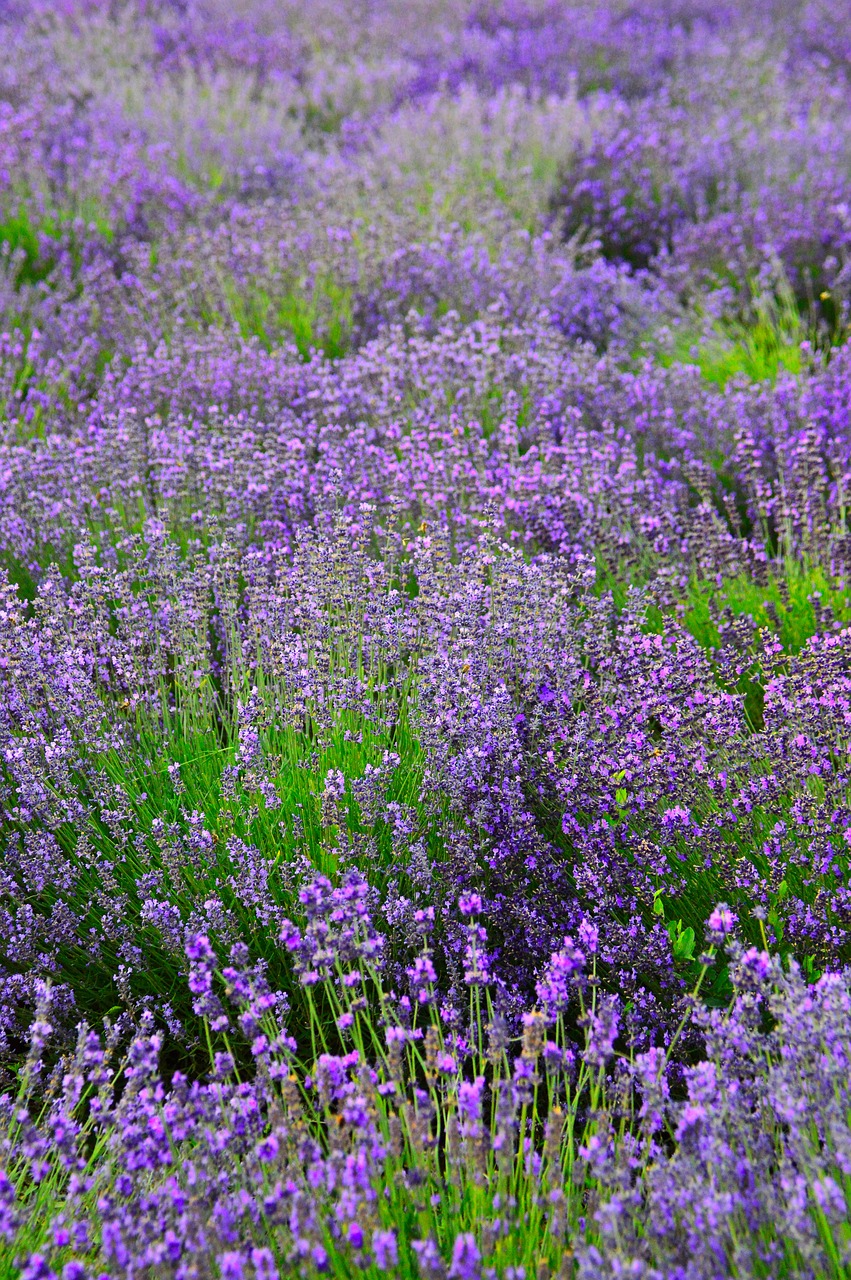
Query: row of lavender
{"type": "Point", "coordinates": [429, 1144]}
{"type": "Point", "coordinates": [413, 628]}
{"type": "Point", "coordinates": [639, 465]}
{"type": "Point", "coordinates": [485, 270]}
{"type": "Point", "coordinates": [504, 738]}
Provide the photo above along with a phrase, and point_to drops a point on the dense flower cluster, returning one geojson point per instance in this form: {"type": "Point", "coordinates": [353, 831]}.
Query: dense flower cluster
{"type": "Point", "coordinates": [425, 637]}
{"type": "Point", "coordinates": [489, 1146]}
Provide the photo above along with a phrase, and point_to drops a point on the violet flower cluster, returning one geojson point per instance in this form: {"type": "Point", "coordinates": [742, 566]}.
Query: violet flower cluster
{"type": "Point", "coordinates": [422, 1141]}
{"type": "Point", "coordinates": [506, 733]}
{"type": "Point", "coordinates": [425, 636]}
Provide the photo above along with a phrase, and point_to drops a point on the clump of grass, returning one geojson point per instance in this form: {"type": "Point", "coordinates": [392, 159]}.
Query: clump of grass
{"type": "Point", "coordinates": [796, 602]}
{"type": "Point", "coordinates": [22, 247]}
{"type": "Point", "coordinates": [759, 348]}
{"type": "Point", "coordinates": [399, 1143]}
{"type": "Point", "coordinates": [317, 318]}
{"type": "Point", "coordinates": [32, 234]}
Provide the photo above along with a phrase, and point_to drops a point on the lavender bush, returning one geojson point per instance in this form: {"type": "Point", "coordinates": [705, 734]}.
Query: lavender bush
{"type": "Point", "coordinates": [424, 1139]}
{"type": "Point", "coordinates": [425, 633]}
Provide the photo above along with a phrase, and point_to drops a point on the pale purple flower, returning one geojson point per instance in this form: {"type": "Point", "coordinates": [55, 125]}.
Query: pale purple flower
{"type": "Point", "coordinates": [385, 1250]}
{"type": "Point", "coordinates": [720, 924]}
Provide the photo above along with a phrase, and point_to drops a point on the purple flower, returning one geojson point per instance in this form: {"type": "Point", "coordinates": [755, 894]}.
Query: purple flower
{"type": "Point", "coordinates": [202, 961]}
{"type": "Point", "coordinates": [232, 1265]}
{"type": "Point", "coordinates": [36, 1268]}
{"type": "Point", "coordinates": [466, 1259]}
{"type": "Point", "coordinates": [223, 1065]}
{"type": "Point", "coordinates": [720, 924]}
{"type": "Point", "coordinates": [830, 1198]}
{"type": "Point", "coordinates": [602, 1029]}
{"type": "Point", "coordinates": [476, 965]}
{"type": "Point", "coordinates": [263, 1261]}
{"type": "Point", "coordinates": [385, 1250]}
{"type": "Point", "coordinates": [424, 920]}
{"type": "Point", "coordinates": [267, 1149]}
{"type": "Point", "coordinates": [702, 1083]}
{"type": "Point", "coordinates": [429, 1260]}
{"type": "Point", "coordinates": [589, 936]}
{"type": "Point", "coordinates": [290, 936]}
{"type": "Point", "coordinates": [562, 975]}
{"type": "Point", "coordinates": [422, 977]}
{"type": "Point", "coordinates": [754, 968]}
{"type": "Point", "coordinates": [470, 1105]}
{"type": "Point", "coordinates": [651, 1070]}
{"type": "Point", "coordinates": [524, 1079]}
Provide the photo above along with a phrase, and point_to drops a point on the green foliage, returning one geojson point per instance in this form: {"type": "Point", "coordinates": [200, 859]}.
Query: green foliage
{"type": "Point", "coordinates": [460, 1181]}
{"type": "Point", "coordinates": [317, 319]}
{"type": "Point", "coordinates": [760, 354]}
{"type": "Point", "coordinates": [31, 234]}
{"type": "Point", "coordinates": [758, 349]}
{"type": "Point", "coordinates": [19, 237]}
{"type": "Point", "coordinates": [794, 603]}
{"type": "Point", "coordinates": [322, 117]}
{"type": "Point", "coordinates": [771, 335]}
{"type": "Point", "coordinates": [174, 770]}
{"type": "Point", "coordinates": [183, 769]}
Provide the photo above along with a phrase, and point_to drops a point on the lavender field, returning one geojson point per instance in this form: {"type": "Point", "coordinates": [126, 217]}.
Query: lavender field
{"type": "Point", "coordinates": [425, 639]}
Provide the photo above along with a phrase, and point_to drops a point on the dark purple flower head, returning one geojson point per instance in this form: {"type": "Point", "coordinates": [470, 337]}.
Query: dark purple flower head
{"type": "Point", "coordinates": [559, 981]}
{"type": "Point", "coordinates": [232, 1265]}
{"type": "Point", "coordinates": [424, 920]}
{"type": "Point", "coordinates": [470, 904]}
{"type": "Point", "coordinates": [429, 1259]}
{"type": "Point", "coordinates": [263, 1261]}
{"type": "Point", "coordinates": [753, 968]}
{"type": "Point", "coordinates": [589, 936]}
{"type": "Point", "coordinates": [603, 1025]}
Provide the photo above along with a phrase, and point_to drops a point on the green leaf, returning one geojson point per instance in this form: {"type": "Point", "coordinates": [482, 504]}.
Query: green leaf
{"type": "Point", "coordinates": [684, 945]}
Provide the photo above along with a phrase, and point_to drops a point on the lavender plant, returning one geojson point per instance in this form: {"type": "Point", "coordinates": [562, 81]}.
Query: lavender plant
{"type": "Point", "coordinates": [424, 1139]}
{"type": "Point", "coordinates": [424, 639]}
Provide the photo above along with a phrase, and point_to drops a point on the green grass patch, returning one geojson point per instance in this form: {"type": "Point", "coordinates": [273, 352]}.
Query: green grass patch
{"type": "Point", "coordinates": [796, 604]}
{"type": "Point", "coordinates": [31, 237]}
{"type": "Point", "coordinates": [759, 350]}
{"type": "Point", "coordinates": [766, 340]}
{"type": "Point", "coordinates": [317, 319]}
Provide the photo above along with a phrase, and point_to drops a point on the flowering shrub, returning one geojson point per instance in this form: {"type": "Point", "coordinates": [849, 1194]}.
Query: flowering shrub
{"type": "Point", "coordinates": [424, 1137]}
{"type": "Point", "coordinates": [424, 639]}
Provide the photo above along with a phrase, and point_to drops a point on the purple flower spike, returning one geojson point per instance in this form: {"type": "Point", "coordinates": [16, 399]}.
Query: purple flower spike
{"type": "Point", "coordinates": [720, 924]}
{"type": "Point", "coordinates": [466, 1258]}
{"type": "Point", "coordinates": [385, 1249]}
{"type": "Point", "coordinates": [232, 1265]}
{"type": "Point", "coordinates": [470, 904]}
